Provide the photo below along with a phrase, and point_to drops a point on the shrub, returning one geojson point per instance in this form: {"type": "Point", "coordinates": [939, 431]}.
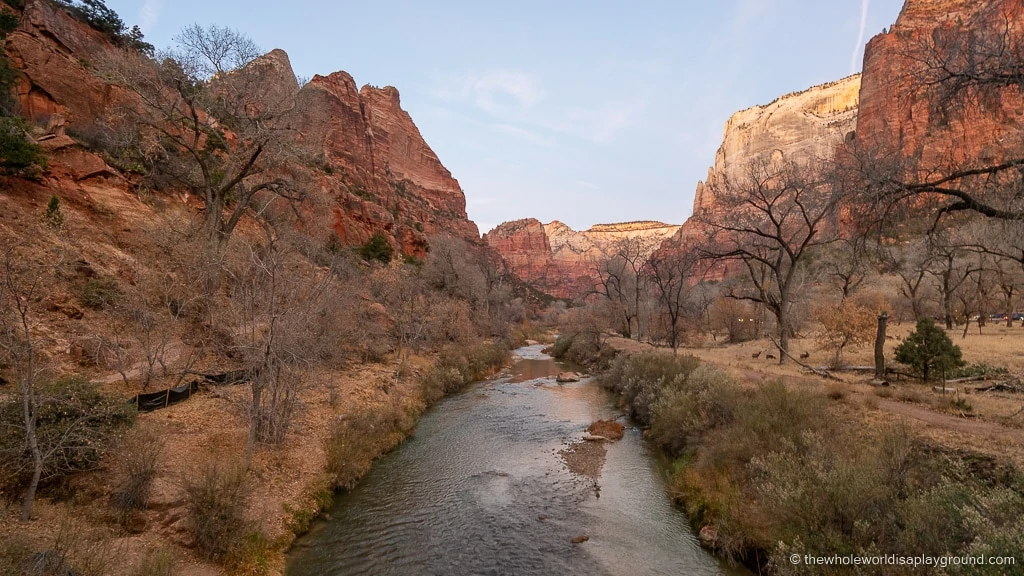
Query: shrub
{"type": "Point", "coordinates": [836, 392]}
{"type": "Point", "coordinates": [457, 368]}
{"type": "Point", "coordinates": [848, 326]}
{"type": "Point", "coordinates": [98, 293]}
{"type": "Point", "coordinates": [928, 350]}
{"type": "Point", "coordinates": [585, 349]}
{"type": "Point", "coordinates": [561, 346]}
{"type": "Point", "coordinates": [139, 456]}
{"type": "Point", "coordinates": [53, 216]}
{"type": "Point", "coordinates": [974, 370]}
{"type": "Point", "coordinates": [250, 556]}
{"type": "Point", "coordinates": [377, 248]}
{"type": "Point", "coordinates": [640, 379]}
{"type": "Point", "coordinates": [216, 501]}
{"type": "Point", "coordinates": [77, 425]}
{"type": "Point", "coordinates": [707, 400]}
{"type": "Point", "coordinates": [356, 439]}
{"type": "Point", "coordinates": [156, 563]}
{"type": "Point", "coordinates": [18, 154]}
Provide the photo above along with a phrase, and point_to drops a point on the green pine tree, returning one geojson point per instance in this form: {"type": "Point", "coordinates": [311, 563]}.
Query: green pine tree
{"type": "Point", "coordinates": [53, 216]}
{"type": "Point", "coordinates": [377, 248]}
{"type": "Point", "coordinates": [929, 350]}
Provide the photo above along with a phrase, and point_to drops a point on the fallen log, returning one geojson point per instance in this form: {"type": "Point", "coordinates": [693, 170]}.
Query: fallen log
{"type": "Point", "coordinates": [822, 373]}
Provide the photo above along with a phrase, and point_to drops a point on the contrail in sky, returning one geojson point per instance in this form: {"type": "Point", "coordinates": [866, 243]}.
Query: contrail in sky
{"type": "Point", "coordinates": [860, 35]}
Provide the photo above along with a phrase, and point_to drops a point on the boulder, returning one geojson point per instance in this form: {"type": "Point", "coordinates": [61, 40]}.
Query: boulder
{"type": "Point", "coordinates": [567, 377]}
{"type": "Point", "coordinates": [708, 536]}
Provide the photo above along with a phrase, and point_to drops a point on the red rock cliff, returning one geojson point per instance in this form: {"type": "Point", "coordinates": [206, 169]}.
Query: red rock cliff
{"type": "Point", "coordinates": [381, 172]}
{"type": "Point", "coordinates": [561, 261]}
{"type": "Point", "coordinates": [375, 168]}
{"type": "Point", "coordinates": [897, 112]}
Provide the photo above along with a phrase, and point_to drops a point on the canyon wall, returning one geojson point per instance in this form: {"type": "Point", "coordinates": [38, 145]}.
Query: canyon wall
{"type": "Point", "coordinates": [901, 113]}
{"type": "Point", "coordinates": [801, 127]}
{"type": "Point", "coordinates": [374, 168]}
{"type": "Point", "coordinates": [560, 261]}
{"type": "Point", "coordinates": [380, 171]}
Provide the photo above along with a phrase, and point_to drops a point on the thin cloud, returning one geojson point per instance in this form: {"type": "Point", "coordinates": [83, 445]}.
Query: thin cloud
{"type": "Point", "coordinates": [493, 91]}
{"type": "Point", "coordinates": [586, 184]}
{"type": "Point", "coordinates": [524, 134]}
{"type": "Point", "coordinates": [149, 16]}
{"type": "Point", "coordinates": [601, 125]}
{"type": "Point", "coordinates": [860, 35]}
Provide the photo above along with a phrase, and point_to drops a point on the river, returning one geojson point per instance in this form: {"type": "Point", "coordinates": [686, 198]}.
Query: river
{"type": "Point", "coordinates": [482, 489]}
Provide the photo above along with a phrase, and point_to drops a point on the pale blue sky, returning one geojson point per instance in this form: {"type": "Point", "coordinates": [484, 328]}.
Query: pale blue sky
{"type": "Point", "coordinates": [584, 112]}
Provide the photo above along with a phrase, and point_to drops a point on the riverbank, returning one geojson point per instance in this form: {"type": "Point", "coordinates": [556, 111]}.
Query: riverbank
{"type": "Point", "coordinates": [287, 486]}
{"type": "Point", "coordinates": [770, 468]}
{"type": "Point", "coordinates": [484, 487]}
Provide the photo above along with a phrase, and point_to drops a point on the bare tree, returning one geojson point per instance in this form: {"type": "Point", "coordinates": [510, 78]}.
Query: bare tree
{"type": "Point", "coordinates": [910, 261]}
{"type": "Point", "coordinates": [776, 219]}
{"type": "Point", "coordinates": [622, 278]}
{"type": "Point", "coordinates": [846, 265]}
{"type": "Point", "coordinates": [613, 284]}
{"type": "Point", "coordinates": [671, 275]}
{"type": "Point", "coordinates": [1003, 242]}
{"type": "Point", "coordinates": [214, 115]}
{"type": "Point", "coordinates": [951, 270]}
{"type": "Point", "coordinates": [20, 288]}
{"type": "Point", "coordinates": [279, 336]}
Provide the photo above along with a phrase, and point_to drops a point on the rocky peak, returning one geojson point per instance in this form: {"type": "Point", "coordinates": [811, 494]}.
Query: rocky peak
{"type": "Point", "coordinates": [799, 127]}
{"type": "Point", "coordinates": [372, 163]}
{"type": "Point", "coordinates": [561, 261]}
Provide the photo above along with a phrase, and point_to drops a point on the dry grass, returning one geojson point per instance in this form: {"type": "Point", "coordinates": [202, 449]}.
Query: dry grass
{"type": "Point", "coordinates": [989, 427]}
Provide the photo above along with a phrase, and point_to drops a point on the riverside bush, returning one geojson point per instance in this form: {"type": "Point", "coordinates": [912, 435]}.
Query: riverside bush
{"type": "Point", "coordinates": [708, 400]}
{"type": "Point", "coordinates": [777, 473]}
{"type": "Point", "coordinates": [458, 367]}
{"type": "Point", "coordinates": [585, 349]}
{"type": "Point", "coordinates": [216, 501]}
{"type": "Point", "coordinates": [640, 379]}
{"type": "Point", "coordinates": [357, 439]}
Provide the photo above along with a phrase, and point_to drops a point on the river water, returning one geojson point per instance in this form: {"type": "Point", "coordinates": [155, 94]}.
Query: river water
{"type": "Point", "coordinates": [481, 489]}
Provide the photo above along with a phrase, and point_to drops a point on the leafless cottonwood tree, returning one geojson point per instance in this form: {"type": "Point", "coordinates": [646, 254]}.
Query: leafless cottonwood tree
{"type": "Point", "coordinates": [279, 335]}
{"type": "Point", "coordinates": [951, 269]}
{"type": "Point", "coordinates": [774, 221]}
{"type": "Point", "coordinates": [19, 288]}
{"type": "Point", "coordinates": [622, 279]}
{"type": "Point", "coordinates": [910, 261]}
{"type": "Point", "coordinates": [846, 264]}
{"type": "Point", "coordinates": [1003, 242]}
{"type": "Point", "coordinates": [214, 116]}
{"type": "Point", "coordinates": [671, 274]}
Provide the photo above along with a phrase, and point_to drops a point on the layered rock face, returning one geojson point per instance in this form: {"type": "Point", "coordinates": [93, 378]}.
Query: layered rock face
{"type": "Point", "coordinates": [52, 50]}
{"type": "Point", "coordinates": [898, 114]}
{"type": "Point", "coordinates": [797, 127]}
{"type": "Point", "coordinates": [801, 127]}
{"type": "Point", "coordinates": [524, 246]}
{"type": "Point", "coordinates": [561, 261]}
{"type": "Point", "coordinates": [374, 168]}
{"type": "Point", "coordinates": [380, 170]}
